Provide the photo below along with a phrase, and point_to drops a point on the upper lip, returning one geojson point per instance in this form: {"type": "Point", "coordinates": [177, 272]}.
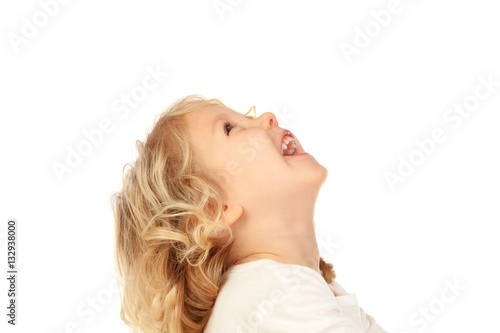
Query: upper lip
{"type": "Point", "coordinates": [286, 132]}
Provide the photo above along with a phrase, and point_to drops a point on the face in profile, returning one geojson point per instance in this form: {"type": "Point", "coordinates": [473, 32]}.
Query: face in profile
{"type": "Point", "coordinates": [247, 156]}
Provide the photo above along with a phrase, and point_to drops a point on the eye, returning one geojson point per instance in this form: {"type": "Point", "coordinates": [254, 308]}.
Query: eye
{"type": "Point", "coordinates": [228, 127]}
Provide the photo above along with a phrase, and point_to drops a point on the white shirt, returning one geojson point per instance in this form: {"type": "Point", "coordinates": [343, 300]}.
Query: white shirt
{"type": "Point", "coordinates": [265, 296]}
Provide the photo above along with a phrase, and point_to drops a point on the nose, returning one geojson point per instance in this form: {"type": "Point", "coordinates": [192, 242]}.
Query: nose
{"type": "Point", "coordinates": [267, 121]}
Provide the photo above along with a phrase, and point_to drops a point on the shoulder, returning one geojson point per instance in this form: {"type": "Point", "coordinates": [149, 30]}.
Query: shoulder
{"type": "Point", "coordinates": [268, 293]}
{"type": "Point", "coordinates": [255, 280]}
{"type": "Point", "coordinates": [248, 288]}
{"type": "Point", "coordinates": [265, 275]}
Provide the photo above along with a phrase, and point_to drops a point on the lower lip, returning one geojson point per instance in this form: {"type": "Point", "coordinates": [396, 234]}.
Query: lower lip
{"type": "Point", "coordinates": [297, 155]}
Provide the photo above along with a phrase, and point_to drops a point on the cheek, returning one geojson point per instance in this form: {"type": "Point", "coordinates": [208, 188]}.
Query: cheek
{"type": "Point", "coordinates": [246, 152]}
{"type": "Point", "coordinates": [256, 147]}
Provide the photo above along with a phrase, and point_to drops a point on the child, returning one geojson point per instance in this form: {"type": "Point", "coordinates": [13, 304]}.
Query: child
{"type": "Point", "coordinates": [215, 229]}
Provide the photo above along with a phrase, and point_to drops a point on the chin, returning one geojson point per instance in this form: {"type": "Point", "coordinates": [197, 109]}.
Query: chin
{"type": "Point", "coordinates": [317, 177]}
{"type": "Point", "coordinates": [325, 175]}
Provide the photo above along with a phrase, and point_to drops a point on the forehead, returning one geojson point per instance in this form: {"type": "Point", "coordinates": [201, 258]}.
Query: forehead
{"type": "Point", "coordinates": [209, 113]}
{"type": "Point", "coordinates": [201, 116]}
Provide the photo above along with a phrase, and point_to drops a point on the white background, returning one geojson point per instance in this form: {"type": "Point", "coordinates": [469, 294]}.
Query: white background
{"type": "Point", "coordinates": [394, 249]}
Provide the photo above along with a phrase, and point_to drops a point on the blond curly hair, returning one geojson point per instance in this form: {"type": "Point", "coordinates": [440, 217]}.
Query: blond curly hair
{"type": "Point", "coordinates": [170, 268]}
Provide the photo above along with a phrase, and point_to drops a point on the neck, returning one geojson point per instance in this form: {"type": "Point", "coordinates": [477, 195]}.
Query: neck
{"type": "Point", "coordinates": [287, 238]}
{"type": "Point", "coordinates": [307, 256]}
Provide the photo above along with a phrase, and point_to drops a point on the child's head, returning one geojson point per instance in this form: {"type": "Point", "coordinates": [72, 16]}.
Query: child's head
{"type": "Point", "coordinates": [202, 192]}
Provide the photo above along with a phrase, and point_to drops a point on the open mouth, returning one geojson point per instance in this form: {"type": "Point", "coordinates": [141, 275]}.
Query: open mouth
{"type": "Point", "coordinates": [288, 144]}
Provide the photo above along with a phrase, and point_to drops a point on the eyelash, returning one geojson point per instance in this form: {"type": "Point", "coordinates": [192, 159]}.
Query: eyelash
{"type": "Point", "coordinates": [226, 125]}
